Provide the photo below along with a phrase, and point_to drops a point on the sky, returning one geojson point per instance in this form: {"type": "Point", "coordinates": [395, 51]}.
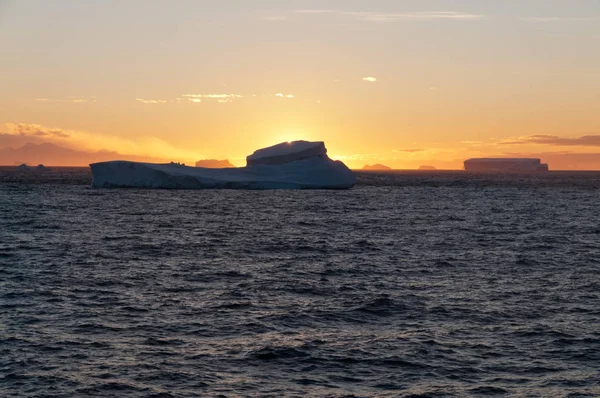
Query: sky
{"type": "Point", "coordinates": [404, 83]}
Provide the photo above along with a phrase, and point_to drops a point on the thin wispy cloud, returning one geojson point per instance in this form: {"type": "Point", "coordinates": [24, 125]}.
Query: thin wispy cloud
{"type": "Point", "coordinates": [414, 16]}
{"type": "Point", "coordinates": [410, 150]}
{"type": "Point", "coordinates": [377, 16]}
{"type": "Point", "coordinates": [147, 101]}
{"type": "Point", "coordinates": [556, 19]}
{"type": "Point", "coordinates": [71, 99]}
{"type": "Point", "coordinates": [36, 130]}
{"type": "Point", "coordinates": [213, 96]}
{"type": "Point", "coordinates": [370, 79]}
{"type": "Point", "coordinates": [541, 139]}
{"type": "Point", "coordinates": [220, 98]}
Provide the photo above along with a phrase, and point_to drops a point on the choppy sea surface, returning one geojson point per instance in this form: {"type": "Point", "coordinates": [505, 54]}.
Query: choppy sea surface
{"type": "Point", "coordinates": [423, 284]}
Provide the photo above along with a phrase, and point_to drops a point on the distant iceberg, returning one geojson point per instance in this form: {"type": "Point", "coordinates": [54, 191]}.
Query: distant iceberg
{"type": "Point", "coordinates": [504, 165]}
{"type": "Point", "coordinates": [289, 165]}
{"type": "Point", "coordinates": [377, 167]}
{"type": "Point", "coordinates": [214, 164]}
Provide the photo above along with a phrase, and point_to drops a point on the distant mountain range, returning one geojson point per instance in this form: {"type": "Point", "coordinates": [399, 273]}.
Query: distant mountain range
{"type": "Point", "coordinates": [54, 155]}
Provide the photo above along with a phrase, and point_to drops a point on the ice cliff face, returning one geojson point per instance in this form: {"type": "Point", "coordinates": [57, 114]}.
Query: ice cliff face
{"type": "Point", "coordinates": [287, 152]}
{"type": "Point", "coordinates": [295, 165]}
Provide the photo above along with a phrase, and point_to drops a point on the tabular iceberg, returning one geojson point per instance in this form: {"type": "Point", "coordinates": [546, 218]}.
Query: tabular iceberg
{"type": "Point", "coordinates": [293, 165]}
{"type": "Point", "coordinates": [505, 164]}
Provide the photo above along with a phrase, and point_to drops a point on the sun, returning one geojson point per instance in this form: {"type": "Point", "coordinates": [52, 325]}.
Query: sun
{"type": "Point", "coordinates": [291, 135]}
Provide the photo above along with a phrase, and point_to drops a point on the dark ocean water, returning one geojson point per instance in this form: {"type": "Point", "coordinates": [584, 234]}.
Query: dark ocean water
{"type": "Point", "coordinates": [410, 284]}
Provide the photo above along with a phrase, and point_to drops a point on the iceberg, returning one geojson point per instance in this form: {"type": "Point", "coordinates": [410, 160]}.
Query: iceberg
{"type": "Point", "coordinates": [505, 165]}
{"type": "Point", "coordinates": [214, 164]}
{"type": "Point", "coordinates": [289, 165]}
{"type": "Point", "coordinates": [377, 167]}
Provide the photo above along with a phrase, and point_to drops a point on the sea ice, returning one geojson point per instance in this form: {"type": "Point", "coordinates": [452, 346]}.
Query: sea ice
{"type": "Point", "coordinates": [293, 165]}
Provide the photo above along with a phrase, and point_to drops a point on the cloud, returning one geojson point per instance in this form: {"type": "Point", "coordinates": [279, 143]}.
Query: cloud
{"type": "Point", "coordinates": [555, 19]}
{"type": "Point", "coordinates": [213, 96]}
{"type": "Point", "coordinates": [409, 150]}
{"type": "Point", "coordinates": [370, 79]}
{"type": "Point", "coordinates": [72, 99]}
{"type": "Point", "coordinates": [281, 95]}
{"type": "Point", "coordinates": [145, 101]}
{"type": "Point", "coordinates": [414, 16]}
{"type": "Point", "coordinates": [25, 130]}
{"type": "Point", "coordinates": [220, 98]}
{"type": "Point", "coordinates": [586, 140]}
{"type": "Point", "coordinates": [564, 160]}
{"type": "Point", "coordinates": [372, 16]}
{"type": "Point", "coordinates": [87, 141]}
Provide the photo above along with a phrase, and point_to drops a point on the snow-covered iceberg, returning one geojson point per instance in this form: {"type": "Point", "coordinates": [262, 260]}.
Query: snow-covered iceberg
{"type": "Point", "coordinates": [505, 164]}
{"type": "Point", "coordinates": [289, 165]}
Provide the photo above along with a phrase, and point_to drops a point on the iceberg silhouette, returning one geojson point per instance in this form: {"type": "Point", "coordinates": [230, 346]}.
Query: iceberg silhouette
{"type": "Point", "coordinates": [505, 165]}
{"type": "Point", "coordinates": [289, 165]}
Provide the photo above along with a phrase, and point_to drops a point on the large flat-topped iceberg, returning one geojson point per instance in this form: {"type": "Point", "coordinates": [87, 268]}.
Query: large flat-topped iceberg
{"type": "Point", "coordinates": [505, 164]}
{"type": "Point", "coordinates": [294, 165]}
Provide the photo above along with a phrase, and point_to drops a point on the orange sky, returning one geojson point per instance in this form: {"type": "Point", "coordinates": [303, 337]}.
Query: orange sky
{"type": "Point", "coordinates": [403, 83]}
